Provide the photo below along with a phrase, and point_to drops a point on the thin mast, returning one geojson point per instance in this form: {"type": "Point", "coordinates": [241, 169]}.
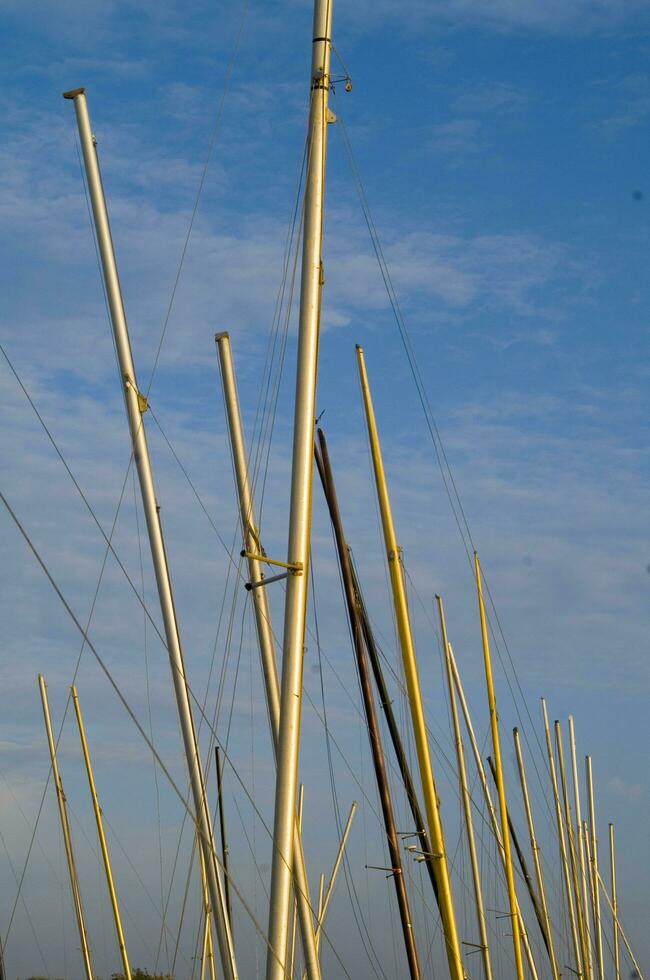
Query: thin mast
{"type": "Point", "coordinates": [612, 868]}
{"type": "Point", "coordinates": [496, 830]}
{"type": "Point", "coordinates": [295, 609]}
{"type": "Point", "coordinates": [102, 837]}
{"type": "Point", "coordinates": [465, 798]}
{"type": "Point", "coordinates": [329, 891]}
{"type": "Point", "coordinates": [431, 802]}
{"type": "Point", "coordinates": [589, 965]}
{"type": "Point", "coordinates": [620, 927]}
{"type": "Point", "coordinates": [568, 820]}
{"type": "Point", "coordinates": [294, 924]}
{"type": "Point", "coordinates": [501, 786]}
{"type": "Point", "coordinates": [222, 831]}
{"type": "Point", "coordinates": [547, 931]}
{"type": "Point", "coordinates": [370, 710]}
{"type": "Point", "coordinates": [594, 866]}
{"type": "Point", "coordinates": [563, 854]}
{"type": "Point", "coordinates": [67, 837]}
{"type": "Point", "coordinates": [136, 405]}
{"type": "Point", "coordinates": [266, 641]}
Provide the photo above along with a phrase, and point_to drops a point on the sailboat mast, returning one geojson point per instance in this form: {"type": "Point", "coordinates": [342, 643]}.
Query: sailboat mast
{"type": "Point", "coordinates": [594, 865]}
{"type": "Point", "coordinates": [573, 855]}
{"type": "Point", "coordinates": [589, 965]}
{"type": "Point", "coordinates": [501, 787]}
{"type": "Point", "coordinates": [67, 837]}
{"type": "Point", "coordinates": [431, 802]}
{"type": "Point", "coordinates": [466, 798]}
{"type": "Point", "coordinates": [370, 710]}
{"type": "Point", "coordinates": [295, 610]}
{"type": "Point", "coordinates": [253, 550]}
{"type": "Point", "coordinates": [136, 405]}
{"type": "Point", "coordinates": [102, 837]}
{"type": "Point", "coordinates": [494, 820]}
{"type": "Point", "coordinates": [562, 841]}
{"type": "Point", "coordinates": [612, 868]}
{"type": "Point", "coordinates": [547, 931]}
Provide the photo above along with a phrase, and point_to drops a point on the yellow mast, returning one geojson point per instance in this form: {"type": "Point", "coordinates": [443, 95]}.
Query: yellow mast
{"type": "Point", "coordinates": [432, 806]}
{"type": "Point", "coordinates": [573, 855]}
{"type": "Point", "coordinates": [501, 788]}
{"type": "Point", "coordinates": [294, 923]}
{"type": "Point", "coordinates": [612, 865]}
{"type": "Point", "coordinates": [563, 854]}
{"type": "Point", "coordinates": [466, 798]}
{"type": "Point", "coordinates": [67, 837]}
{"type": "Point", "coordinates": [589, 965]}
{"type": "Point", "coordinates": [594, 866]}
{"type": "Point", "coordinates": [620, 927]}
{"type": "Point", "coordinates": [102, 837]}
{"type": "Point", "coordinates": [536, 855]}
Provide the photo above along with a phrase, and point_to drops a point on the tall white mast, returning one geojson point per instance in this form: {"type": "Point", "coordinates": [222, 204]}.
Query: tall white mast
{"type": "Point", "coordinates": [135, 406]}
{"type": "Point", "coordinates": [301, 499]}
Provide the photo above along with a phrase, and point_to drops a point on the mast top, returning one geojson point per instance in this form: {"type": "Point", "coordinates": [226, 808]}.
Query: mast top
{"type": "Point", "coordinates": [73, 93]}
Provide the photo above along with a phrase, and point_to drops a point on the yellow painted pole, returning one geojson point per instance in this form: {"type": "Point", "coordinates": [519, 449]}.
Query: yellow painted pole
{"type": "Point", "coordinates": [294, 924]}
{"type": "Point", "coordinates": [501, 786]}
{"type": "Point", "coordinates": [431, 802]}
{"type": "Point", "coordinates": [494, 820]}
{"type": "Point", "coordinates": [466, 798]}
{"type": "Point", "coordinates": [536, 855]}
{"type": "Point", "coordinates": [102, 837]}
{"type": "Point", "coordinates": [67, 837]}
{"type": "Point", "coordinates": [594, 866]}
{"type": "Point", "coordinates": [563, 852]}
{"type": "Point", "coordinates": [589, 964]}
{"type": "Point", "coordinates": [620, 927]}
{"type": "Point", "coordinates": [612, 866]}
{"type": "Point", "coordinates": [573, 854]}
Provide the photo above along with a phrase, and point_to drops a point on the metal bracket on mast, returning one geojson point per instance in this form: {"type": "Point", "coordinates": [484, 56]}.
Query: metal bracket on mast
{"type": "Point", "coordinates": [294, 567]}
{"type": "Point", "coordinates": [143, 404]}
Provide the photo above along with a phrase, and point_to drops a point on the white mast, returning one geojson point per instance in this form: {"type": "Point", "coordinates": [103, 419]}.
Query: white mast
{"type": "Point", "coordinates": [301, 499]}
{"type": "Point", "coordinates": [136, 405]}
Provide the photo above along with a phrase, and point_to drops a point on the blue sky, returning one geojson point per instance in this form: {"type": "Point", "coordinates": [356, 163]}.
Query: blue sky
{"type": "Point", "coordinates": [503, 151]}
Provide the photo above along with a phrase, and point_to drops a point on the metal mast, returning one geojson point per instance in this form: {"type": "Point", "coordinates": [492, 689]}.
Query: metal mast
{"type": "Point", "coordinates": [612, 867]}
{"type": "Point", "coordinates": [501, 787]}
{"type": "Point", "coordinates": [102, 837]}
{"type": "Point", "coordinates": [465, 798]}
{"type": "Point", "coordinates": [311, 284]}
{"type": "Point", "coordinates": [254, 552]}
{"type": "Point", "coordinates": [431, 802]}
{"type": "Point", "coordinates": [67, 838]}
{"type": "Point", "coordinates": [136, 405]}
{"type": "Point", "coordinates": [547, 931]}
{"type": "Point", "coordinates": [594, 866]}
{"type": "Point", "coordinates": [581, 844]}
{"type": "Point", "coordinates": [370, 710]}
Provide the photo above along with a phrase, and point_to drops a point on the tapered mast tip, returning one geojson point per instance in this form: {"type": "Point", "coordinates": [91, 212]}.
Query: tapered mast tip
{"type": "Point", "coordinates": [73, 93]}
{"type": "Point", "coordinates": [224, 335]}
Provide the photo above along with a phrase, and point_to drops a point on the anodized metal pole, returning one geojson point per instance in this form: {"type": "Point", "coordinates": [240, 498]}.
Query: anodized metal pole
{"type": "Point", "coordinates": [528, 881]}
{"type": "Point", "coordinates": [294, 924]}
{"type": "Point", "coordinates": [266, 640]}
{"type": "Point", "coordinates": [370, 710]}
{"type": "Point", "coordinates": [295, 609]}
{"type": "Point", "coordinates": [67, 837]}
{"type": "Point", "coordinates": [581, 845]}
{"type": "Point", "coordinates": [494, 821]}
{"type": "Point", "coordinates": [431, 801]}
{"type": "Point", "coordinates": [102, 836]}
{"type": "Point", "coordinates": [573, 853]}
{"type": "Point", "coordinates": [329, 891]}
{"type": "Point", "coordinates": [620, 927]}
{"type": "Point", "coordinates": [225, 853]}
{"type": "Point", "coordinates": [575, 939]}
{"type": "Point", "coordinates": [136, 405]}
{"type": "Point", "coordinates": [547, 932]}
{"type": "Point", "coordinates": [396, 738]}
{"type": "Point", "coordinates": [466, 798]}
{"type": "Point", "coordinates": [500, 781]}
{"type": "Point", "coordinates": [612, 868]}
{"type": "Point", "coordinates": [594, 865]}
